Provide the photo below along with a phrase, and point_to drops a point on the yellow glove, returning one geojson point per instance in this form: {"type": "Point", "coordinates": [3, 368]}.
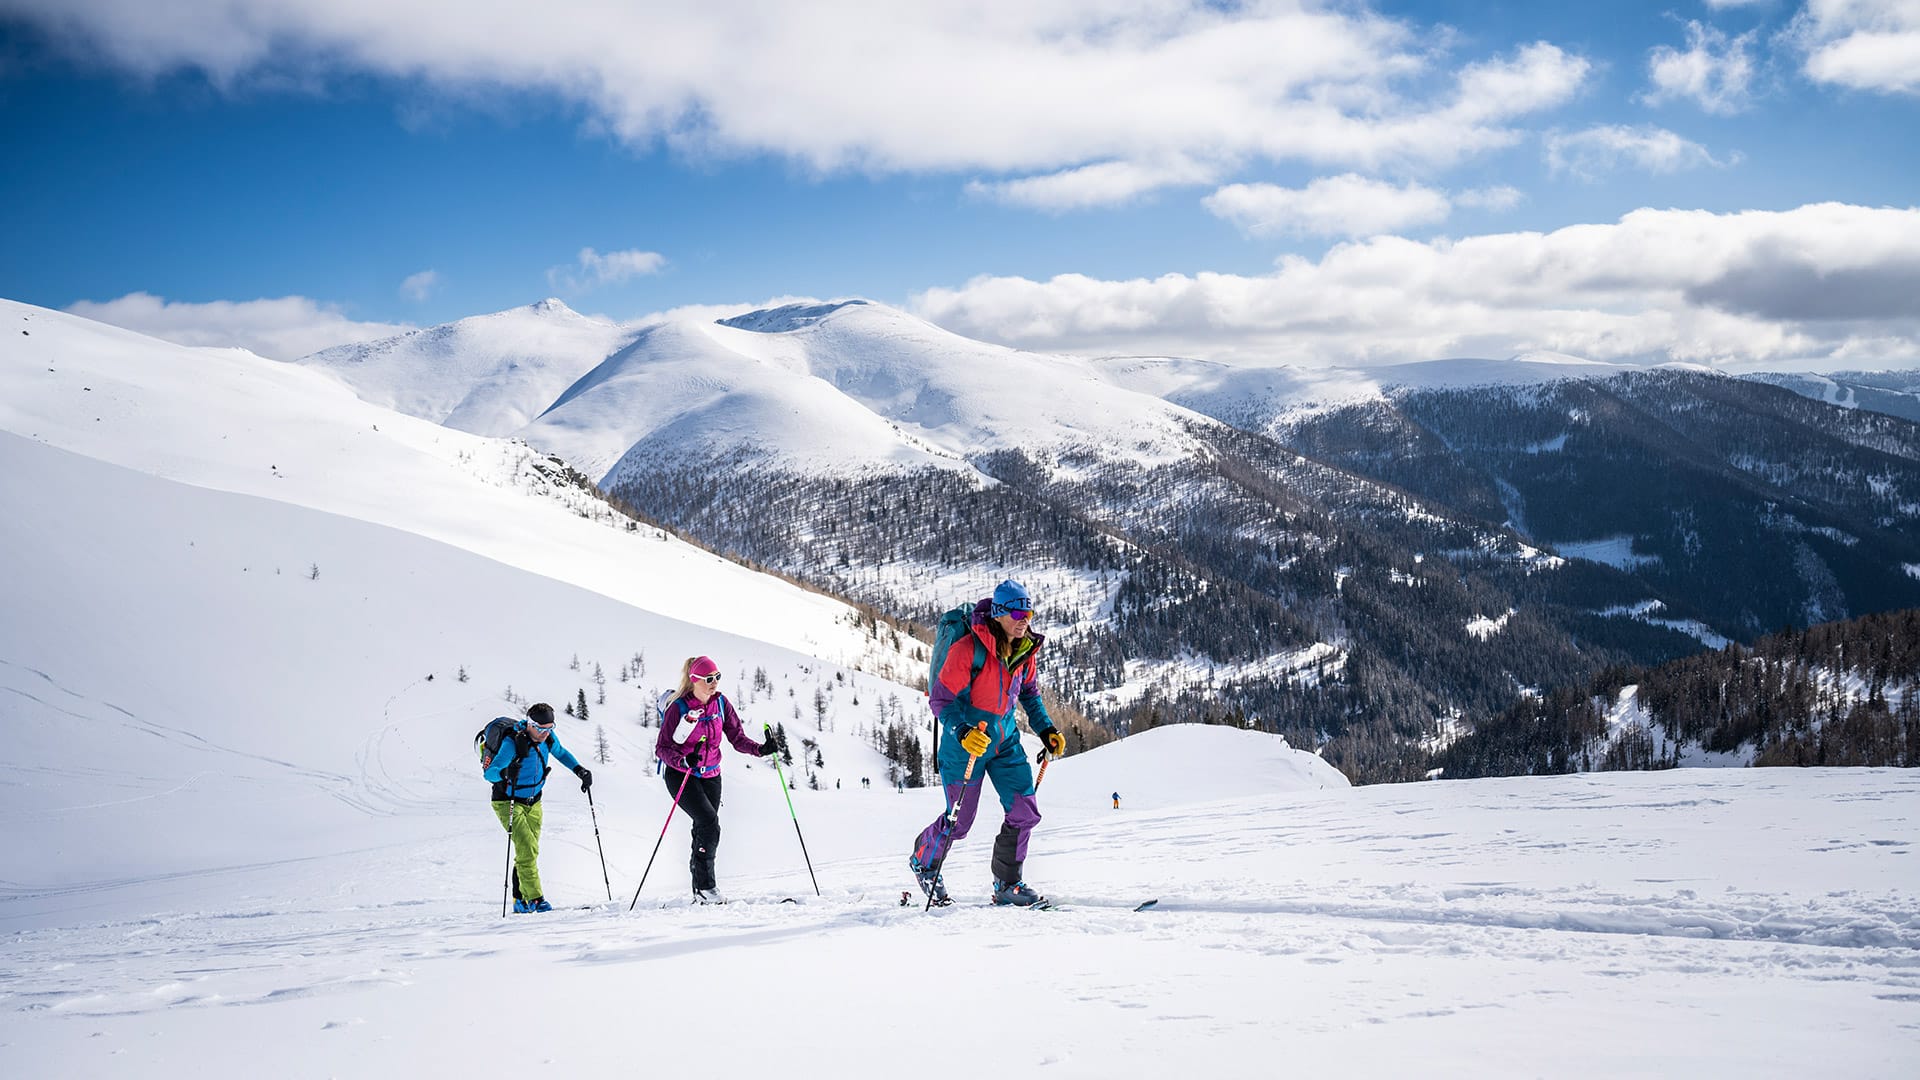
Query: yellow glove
{"type": "Point", "coordinates": [975, 742]}
{"type": "Point", "coordinates": [1056, 742]}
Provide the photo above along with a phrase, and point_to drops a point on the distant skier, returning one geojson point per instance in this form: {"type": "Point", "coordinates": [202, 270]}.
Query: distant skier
{"type": "Point", "coordinates": [519, 773]}
{"type": "Point", "coordinates": [984, 660]}
{"type": "Point", "coordinates": [1116, 800]}
{"type": "Point", "coordinates": [692, 759]}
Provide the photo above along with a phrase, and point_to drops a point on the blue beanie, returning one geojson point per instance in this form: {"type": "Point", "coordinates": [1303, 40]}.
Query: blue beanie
{"type": "Point", "coordinates": [1010, 595]}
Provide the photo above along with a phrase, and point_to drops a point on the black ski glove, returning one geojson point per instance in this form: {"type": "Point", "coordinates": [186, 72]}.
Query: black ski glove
{"type": "Point", "coordinates": [770, 747]}
{"type": "Point", "coordinates": [585, 775]}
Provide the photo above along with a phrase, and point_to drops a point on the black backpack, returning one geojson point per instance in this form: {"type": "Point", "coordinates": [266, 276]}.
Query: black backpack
{"type": "Point", "coordinates": [486, 742]}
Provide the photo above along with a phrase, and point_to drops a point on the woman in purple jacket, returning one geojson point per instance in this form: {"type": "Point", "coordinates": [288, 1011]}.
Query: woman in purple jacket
{"type": "Point", "coordinates": [689, 751]}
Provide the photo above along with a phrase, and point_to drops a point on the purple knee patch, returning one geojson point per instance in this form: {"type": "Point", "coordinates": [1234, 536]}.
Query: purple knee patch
{"type": "Point", "coordinates": [1023, 815]}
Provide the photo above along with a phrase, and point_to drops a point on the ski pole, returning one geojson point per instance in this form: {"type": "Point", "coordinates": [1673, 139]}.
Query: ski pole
{"type": "Point", "coordinates": [507, 881]}
{"type": "Point", "coordinates": [953, 812]}
{"type": "Point", "coordinates": [603, 850]}
{"type": "Point", "coordinates": [796, 818]}
{"type": "Point", "coordinates": [663, 830]}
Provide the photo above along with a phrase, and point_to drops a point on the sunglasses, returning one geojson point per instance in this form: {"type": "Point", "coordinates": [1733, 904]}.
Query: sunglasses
{"type": "Point", "coordinates": [540, 730]}
{"type": "Point", "coordinates": [1016, 614]}
{"type": "Point", "coordinates": [708, 679]}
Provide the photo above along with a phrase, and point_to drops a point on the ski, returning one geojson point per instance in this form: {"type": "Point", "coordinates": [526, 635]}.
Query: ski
{"type": "Point", "coordinates": [1050, 905]}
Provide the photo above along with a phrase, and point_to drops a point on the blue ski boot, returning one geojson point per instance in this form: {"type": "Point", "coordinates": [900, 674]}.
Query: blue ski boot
{"type": "Point", "coordinates": [1018, 894]}
{"type": "Point", "coordinates": [928, 878]}
{"type": "Point", "coordinates": [539, 904]}
{"type": "Point", "coordinates": [520, 907]}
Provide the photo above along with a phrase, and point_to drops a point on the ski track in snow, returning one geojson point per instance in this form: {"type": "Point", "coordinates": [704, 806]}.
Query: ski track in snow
{"type": "Point", "coordinates": [85, 970]}
{"type": "Point", "coordinates": [1437, 903]}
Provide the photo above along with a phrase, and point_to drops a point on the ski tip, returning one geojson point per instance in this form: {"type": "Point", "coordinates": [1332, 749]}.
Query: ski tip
{"type": "Point", "coordinates": [788, 900]}
{"type": "Point", "coordinates": [1147, 904]}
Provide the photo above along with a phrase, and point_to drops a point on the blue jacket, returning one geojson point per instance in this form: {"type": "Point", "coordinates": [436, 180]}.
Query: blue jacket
{"type": "Point", "coordinates": [520, 768]}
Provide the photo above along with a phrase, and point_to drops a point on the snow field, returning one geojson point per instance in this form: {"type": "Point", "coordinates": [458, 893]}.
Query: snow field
{"type": "Point", "coordinates": [247, 836]}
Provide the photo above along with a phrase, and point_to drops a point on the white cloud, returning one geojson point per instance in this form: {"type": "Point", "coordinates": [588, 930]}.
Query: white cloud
{"type": "Point", "coordinates": [1108, 183]}
{"type": "Point", "coordinates": [1823, 281]}
{"type": "Point", "coordinates": [1714, 72]}
{"type": "Point", "coordinates": [1346, 205]}
{"type": "Point", "coordinates": [283, 329]}
{"type": "Point", "coordinates": [1128, 85]}
{"type": "Point", "coordinates": [593, 269]}
{"type": "Point", "coordinates": [1861, 44]}
{"type": "Point", "coordinates": [1499, 197]}
{"type": "Point", "coordinates": [419, 286]}
{"type": "Point", "coordinates": [1540, 75]}
{"type": "Point", "coordinates": [1587, 154]}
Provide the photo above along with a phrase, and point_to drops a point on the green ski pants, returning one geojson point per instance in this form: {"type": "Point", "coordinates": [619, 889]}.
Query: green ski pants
{"type": "Point", "coordinates": [526, 846]}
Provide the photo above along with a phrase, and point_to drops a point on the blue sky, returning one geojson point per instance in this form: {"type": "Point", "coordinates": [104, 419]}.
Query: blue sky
{"type": "Point", "coordinates": [1259, 181]}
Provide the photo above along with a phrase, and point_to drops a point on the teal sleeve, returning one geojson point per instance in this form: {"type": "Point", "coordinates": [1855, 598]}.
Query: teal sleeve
{"type": "Point", "coordinates": [1036, 709]}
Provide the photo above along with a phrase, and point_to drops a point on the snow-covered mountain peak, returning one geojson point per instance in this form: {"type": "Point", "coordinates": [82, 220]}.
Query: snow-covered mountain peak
{"type": "Point", "coordinates": [846, 386]}
{"type": "Point", "coordinates": [553, 305]}
{"type": "Point", "coordinates": [487, 374]}
{"type": "Point", "coordinates": [790, 317]}
{"type": "Point", "coordinates": [1549, 356]}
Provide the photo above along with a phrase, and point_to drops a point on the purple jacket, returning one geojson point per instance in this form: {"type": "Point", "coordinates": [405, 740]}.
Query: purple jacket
{"type": "Point", "coordinates": [710, 721]}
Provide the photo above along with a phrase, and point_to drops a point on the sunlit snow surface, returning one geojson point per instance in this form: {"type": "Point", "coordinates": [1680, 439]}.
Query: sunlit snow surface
{"type": "Point", "coordinates": [246, 835]}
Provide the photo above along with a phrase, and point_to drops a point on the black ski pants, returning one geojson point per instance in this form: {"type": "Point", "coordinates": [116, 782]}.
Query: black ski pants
{"type": "Point", "coordinates": [700, 801]}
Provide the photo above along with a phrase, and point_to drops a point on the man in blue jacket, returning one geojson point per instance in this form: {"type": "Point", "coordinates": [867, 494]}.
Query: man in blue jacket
{"type": "Point", "coordinates": [519, 772]}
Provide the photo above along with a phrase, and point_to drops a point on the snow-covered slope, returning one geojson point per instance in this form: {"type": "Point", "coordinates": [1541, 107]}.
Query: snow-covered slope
{"type": "Point", "coordinates": [692, 391]}
{"type": "Point", "coordinates": [970, 397]}
{"type": "Point", "coordinates": [1215, 762]}
{"type": "Point", "coordinates": [489, 374]}
{"type": "Point", "coordinates": [229, 420]}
